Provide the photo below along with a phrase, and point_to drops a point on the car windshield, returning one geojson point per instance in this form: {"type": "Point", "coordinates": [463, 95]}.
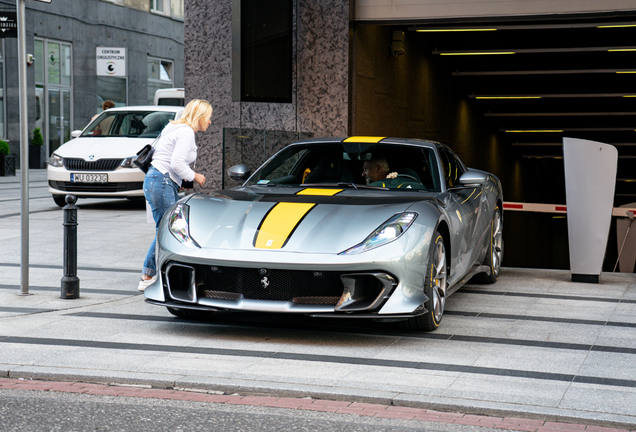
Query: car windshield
{"type": "Point", "coordinates": [411, 167]}
{"type": "Point", "coordinates": [135, 124]}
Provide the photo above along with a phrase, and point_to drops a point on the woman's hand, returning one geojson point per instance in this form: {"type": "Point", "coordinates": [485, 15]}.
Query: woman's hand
{"type": "Point", "coordinates": [199, 179]}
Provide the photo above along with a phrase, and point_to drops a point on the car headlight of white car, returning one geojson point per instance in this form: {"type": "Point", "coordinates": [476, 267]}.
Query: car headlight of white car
{"type": "Point", "coordinates": [389, 231]}
{"type": "Point", "coordinates": [179, 225]}
{"type": "Point", "coordinates": [128, 162]}
{"type": "Point", "coordinates": [56, 161]}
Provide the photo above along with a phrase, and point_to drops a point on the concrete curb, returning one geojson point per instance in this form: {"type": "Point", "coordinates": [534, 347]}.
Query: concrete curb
{"type": "Point", "coordinates": [289, 390]}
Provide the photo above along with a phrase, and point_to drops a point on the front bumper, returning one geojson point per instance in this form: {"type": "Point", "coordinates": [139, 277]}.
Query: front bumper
{"type": "Point", "coordinates": [122, 182]}
{"type": "Point", "coordinates": [383, 283]}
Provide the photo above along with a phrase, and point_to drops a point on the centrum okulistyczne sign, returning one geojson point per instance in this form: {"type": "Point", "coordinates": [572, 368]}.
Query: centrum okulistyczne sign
{"type": "Point", "coordinates": [111, 61]}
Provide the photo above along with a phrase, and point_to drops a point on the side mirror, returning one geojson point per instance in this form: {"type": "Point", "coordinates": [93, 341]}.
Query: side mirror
{"type": "Point", "coordinates": [473, 178]}
{"type": "Point", "coordinates": [239, 172]}
{"type": "Point", "coordinates": [75, 133]}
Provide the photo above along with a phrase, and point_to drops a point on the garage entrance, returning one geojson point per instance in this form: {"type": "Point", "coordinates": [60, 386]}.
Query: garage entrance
{"type": "Point", "coordinates": [503, 94]}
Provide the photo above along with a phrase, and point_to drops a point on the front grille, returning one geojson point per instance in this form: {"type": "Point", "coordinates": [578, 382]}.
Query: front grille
{"type": "Point", "coordinates": [96, 187]}
{"type": "Point", "coordinates": [301, 286]}
{"type": "Point", "coordinates": [76, 164]}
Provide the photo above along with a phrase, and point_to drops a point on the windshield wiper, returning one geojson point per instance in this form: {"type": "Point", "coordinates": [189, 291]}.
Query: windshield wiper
{"type": "Point", "coordinates": [344, 184]}
{"type": "Point", "coordinates": [347, 184]}
{"type": "Point", "coordinates": [277, 185]}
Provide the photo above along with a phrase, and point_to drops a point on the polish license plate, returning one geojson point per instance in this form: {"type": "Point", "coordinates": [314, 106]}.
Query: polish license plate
{"type": "Point", "coordinates": [89, 178]}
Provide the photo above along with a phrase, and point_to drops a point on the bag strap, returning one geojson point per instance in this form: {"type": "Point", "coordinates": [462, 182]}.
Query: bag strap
{"type": "Point", "coordinates": [154, 143]}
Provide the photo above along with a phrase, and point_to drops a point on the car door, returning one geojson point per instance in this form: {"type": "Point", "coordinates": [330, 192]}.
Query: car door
{"type": "Point", "coordinates": [465, 209]}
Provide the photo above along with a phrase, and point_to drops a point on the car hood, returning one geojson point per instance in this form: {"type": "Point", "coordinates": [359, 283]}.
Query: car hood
{"type": "Point", "coordinates": [241, 219]}
{"type": "Point", "coordinates": [102, 148]}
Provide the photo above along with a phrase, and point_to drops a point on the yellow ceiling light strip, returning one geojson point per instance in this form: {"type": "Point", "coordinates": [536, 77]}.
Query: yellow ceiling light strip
{"type": "Point", "coordinates": [537, 130]}
{"type": "Point", "coordinates": [507, 97]}
{"type": "Point", "coordinates": [364, 139]}
{"type": "Point", "coordinates": [621, 49]}
{"type": "Point", "coordinates": [455, 30]}
{"type": "Point", "coordinates": [279, 223]}
{"type": "Point", "coordinates": [319, 192]}
{"type": "Point", "coordinates": [616, 26]}
{"type": "Point", "coordinates": [634, 71]}
{"type": "Point", "coordinates": [479, 53]}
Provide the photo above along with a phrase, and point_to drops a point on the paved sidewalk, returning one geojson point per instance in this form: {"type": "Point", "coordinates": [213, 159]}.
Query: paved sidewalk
{"type": "Point", "coordinates": [532, 346]}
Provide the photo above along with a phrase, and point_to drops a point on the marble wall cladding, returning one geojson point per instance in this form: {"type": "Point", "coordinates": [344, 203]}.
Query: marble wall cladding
{"type": "Point", "coordinates": [320, 88]}
{"type": "Point", "coordinates": [323, 66]}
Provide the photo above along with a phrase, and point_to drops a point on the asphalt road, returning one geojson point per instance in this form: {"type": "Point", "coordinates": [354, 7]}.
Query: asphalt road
{"type": "Point", "coordinates": [44, 411]}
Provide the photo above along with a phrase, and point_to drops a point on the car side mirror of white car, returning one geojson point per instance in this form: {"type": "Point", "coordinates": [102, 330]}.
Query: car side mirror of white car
{"type": "Point", "coordinates": [75, 133]}
{"type": "Point", "coordinates": [239, 172]}
{"type": "Point", "coordinates": [473, 178]}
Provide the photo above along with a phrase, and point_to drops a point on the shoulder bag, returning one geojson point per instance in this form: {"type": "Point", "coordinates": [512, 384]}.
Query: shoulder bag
{"type": "Point", "coordinates": [144, 156]}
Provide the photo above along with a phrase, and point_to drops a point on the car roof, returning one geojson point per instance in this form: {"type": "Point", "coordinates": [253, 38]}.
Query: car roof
{"type": "Point", "coordinates": [371, 140]}
{"type": "Point", "coordinates": [159, 108]}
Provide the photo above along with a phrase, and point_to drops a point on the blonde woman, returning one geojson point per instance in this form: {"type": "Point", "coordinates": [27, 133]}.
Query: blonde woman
{"type": "Point", "coordinates": [174, 152]}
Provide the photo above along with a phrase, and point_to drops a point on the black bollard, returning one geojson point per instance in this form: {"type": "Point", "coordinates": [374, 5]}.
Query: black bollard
{"type": "Point", "coordinates": [70, 281]}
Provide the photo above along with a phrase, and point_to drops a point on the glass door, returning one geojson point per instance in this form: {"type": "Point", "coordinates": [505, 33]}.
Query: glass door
{"type": "Point", "coordinates": [54, 88]}
{"type": "Point", "coordinates": [54, 120]}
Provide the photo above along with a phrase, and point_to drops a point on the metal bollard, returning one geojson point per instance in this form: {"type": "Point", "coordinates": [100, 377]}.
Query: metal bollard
{"type": "Point", "coordinates": [70, 281]}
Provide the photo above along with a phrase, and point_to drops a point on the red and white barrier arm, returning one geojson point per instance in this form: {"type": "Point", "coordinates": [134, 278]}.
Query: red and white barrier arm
{"type": "Point", "coordinates": [553, 208]}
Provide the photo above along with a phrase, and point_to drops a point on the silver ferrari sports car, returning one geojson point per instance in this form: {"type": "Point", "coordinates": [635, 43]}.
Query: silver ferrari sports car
{"type": "Point", "coordinates": [313, 232]}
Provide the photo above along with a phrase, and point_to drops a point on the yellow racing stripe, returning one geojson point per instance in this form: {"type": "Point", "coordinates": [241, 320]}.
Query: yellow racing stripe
{"type": "Point", "coordinates": [322, 192]}
{"type": "Point", "coordinates": [279, 223]}
{"type": "Point", "coordinates": [364, 139]}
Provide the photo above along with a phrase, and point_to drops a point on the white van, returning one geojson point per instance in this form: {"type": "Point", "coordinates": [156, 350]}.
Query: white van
{"type": "Point", "coordinates": [170, 96]}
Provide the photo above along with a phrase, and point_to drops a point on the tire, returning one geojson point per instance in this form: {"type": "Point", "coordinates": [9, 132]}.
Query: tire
{"type": "Point", "coordinates": [191, 314]}
{"type": "Point", "coordinates": [435, 288]}
{"type": "Point", "coordinates": [60, 200]}
{"type": "Point", "coordinates": [494, 255]}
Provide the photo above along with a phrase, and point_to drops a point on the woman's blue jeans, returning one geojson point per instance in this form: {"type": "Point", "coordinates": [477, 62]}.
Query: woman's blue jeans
{"type": "Point", "coordinates": [161, 192]}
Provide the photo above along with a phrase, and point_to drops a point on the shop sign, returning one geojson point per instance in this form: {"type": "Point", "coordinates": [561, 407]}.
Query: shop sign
{"type": "Point", "coordinates": [8, 24]}
{"type": "Point", "coordinates": [111, 62]}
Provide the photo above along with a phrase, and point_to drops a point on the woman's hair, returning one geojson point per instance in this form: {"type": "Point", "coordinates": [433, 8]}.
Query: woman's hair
{"type": "Point", "coordinates": [193, 112]}
{"type": "Point", "coordinates": [108, 104]}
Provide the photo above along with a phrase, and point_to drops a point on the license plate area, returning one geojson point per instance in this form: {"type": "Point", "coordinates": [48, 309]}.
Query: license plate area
{"type": "Point", "coordinates": [89, 178]}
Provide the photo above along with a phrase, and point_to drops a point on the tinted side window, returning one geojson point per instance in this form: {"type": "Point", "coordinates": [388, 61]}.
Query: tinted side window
{"type": "Point", "coordinates": [453, 169]}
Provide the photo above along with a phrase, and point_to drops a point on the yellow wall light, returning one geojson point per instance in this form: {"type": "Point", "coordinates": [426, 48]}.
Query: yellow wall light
{"type": "Point", "coordinates": [634, 71]}
{"type": "Point", "coordinates": [621, 49]}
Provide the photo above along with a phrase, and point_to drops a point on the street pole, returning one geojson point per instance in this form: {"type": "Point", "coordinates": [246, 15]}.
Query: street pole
{"type": "Point", "coordinates": [24, 148]}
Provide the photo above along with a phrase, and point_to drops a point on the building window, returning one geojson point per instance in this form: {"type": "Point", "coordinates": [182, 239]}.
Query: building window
{"type": "Point", "coordinates": [160, 75]}
{"type": "Point", "coordinates": [264, 63]}
{"type": "Point", "coordinates": [156, 6]}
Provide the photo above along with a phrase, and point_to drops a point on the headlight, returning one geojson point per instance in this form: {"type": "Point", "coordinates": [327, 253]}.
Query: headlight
{"type": "Point", "coordinates": [56, 161]}
{"type": "Point", "coordinates": [179, 225]}
{"type": "Point", "coordinates": [390, 230]}
{"type": "Point", "coordinates": [128, 162]}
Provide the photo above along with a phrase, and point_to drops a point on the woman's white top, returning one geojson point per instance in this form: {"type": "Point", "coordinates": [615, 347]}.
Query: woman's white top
{"type": "Point", "coordinates": [175, 151]}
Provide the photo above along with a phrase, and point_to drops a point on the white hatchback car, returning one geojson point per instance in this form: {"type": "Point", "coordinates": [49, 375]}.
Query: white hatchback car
{"type": "Point", "coordinates": [99, 162]}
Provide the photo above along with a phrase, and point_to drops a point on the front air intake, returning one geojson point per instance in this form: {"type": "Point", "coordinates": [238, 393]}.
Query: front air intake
{"type": "Point", "coordinates": [180, 282]}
